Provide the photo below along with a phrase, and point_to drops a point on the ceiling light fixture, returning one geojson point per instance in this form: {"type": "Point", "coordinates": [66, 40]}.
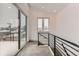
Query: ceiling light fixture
{"type": "Point", "coordinates": [54, 11]}
{"type": "Point", "coordinates": [9, 7]}
{"type": "Point", "coordinates": [42, 7]}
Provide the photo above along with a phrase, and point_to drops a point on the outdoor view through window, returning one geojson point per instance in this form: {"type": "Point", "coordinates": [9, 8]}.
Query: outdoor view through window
{"type": "Point", "coordinates": [9, 22]}
{"type": "Point", "coordinates": [42, 24]}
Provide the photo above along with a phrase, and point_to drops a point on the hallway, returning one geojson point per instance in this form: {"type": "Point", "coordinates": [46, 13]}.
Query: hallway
{"type": "Point", "coordinates": [39, 29]}
{"type": "Point", "coordinates": [32, 49]}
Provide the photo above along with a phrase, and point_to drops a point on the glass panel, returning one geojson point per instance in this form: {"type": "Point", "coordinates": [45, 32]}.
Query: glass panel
{"type": "Point", "coordinates": [8, 29]}
{"type": "Point", "coordinates": [39, 24]}
{"type": "Point", "coordinates": [23, 30]}
{"type": "Point", "coordinates": [45, 24]}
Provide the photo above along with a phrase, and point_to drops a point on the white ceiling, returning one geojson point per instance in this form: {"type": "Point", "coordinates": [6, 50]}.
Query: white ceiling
{"type": "Point", "coordinates": [52, 8]}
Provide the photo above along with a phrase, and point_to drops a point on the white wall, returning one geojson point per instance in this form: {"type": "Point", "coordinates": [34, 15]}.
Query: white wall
{"type": "Point", "coordinates": [67, 23]}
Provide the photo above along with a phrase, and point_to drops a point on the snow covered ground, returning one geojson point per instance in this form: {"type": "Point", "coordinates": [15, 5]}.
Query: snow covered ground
{"type": "Point", "coordinates": [9, 48]}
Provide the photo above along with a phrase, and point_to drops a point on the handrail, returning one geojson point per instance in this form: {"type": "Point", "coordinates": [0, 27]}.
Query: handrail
{"type": "Point", "coordinates": [63, 44]}
{"type": "Point", "coordinates": [43, 36]}
{"type": "Point", "coordinates": [69, 46]}
{"type": "Point", "coordinates": [67, 41]}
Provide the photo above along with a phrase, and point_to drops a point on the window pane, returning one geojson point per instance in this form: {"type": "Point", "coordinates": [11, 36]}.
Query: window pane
{"type": "Point", "coordinates": [39, 24]}
{"type": "Point", "coordinates": [8, 29]}
{"type": "Point", "coordinates": [23, 30]}
{"type": "Point", "coordinates": [45, 24]}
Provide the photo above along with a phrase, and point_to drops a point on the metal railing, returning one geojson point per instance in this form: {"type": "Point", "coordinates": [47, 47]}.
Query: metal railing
{"type": "Point", "coordinates": [60, 46]}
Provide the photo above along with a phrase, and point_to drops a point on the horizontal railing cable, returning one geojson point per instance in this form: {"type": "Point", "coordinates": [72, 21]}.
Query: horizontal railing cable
{"type": "Point", "coordinates": [61, 51]}
{"type": "Point", "coordinates": [69, 46]}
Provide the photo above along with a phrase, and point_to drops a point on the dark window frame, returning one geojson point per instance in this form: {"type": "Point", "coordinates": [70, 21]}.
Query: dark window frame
{"type": "Point", "coordinates": [19, 28]}
{"type": "Point", "coordinates": [42, 23]}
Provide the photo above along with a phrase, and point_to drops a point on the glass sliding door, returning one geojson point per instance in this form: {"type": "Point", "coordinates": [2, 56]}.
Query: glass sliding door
{"type": "Point", "coordinates": [8, 29]}
{"type": "Point", "coordinates": [22, 29]}
{"type": "Point", "coordinates": [12, 29]}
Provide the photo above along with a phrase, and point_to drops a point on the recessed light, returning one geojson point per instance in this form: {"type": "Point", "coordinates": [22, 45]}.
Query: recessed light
{"type": "Point", "coordinates": [42, 7]}
{"type": "Point", "coordinates": [54, 11]}
{"type": "Point", "coordinates": [9, 7]}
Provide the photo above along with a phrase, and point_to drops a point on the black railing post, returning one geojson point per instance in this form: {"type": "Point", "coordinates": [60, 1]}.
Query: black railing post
{"type": "Point", "coordinates": [48, 40]}
{"type": "Point", "coordinates": [54, 45]}
{"type": "Point", "coordinates": [38, 38]}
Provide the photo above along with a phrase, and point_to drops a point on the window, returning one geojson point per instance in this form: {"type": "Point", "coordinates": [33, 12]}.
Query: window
{"type": "Point", "coordinates": [22, 30]}
{"type": "Point", "coordinates": [42, 24]}
{"type": "Point", "coordinates": [45, 24]}
{"type": "Point", "coordinates": [12, 29]}
{"type": "Point", "coordinates": [39, 24]}
{"type": "Point", "coordinates": [8, 29]}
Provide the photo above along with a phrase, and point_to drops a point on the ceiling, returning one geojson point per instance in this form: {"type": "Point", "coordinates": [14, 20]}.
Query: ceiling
{"type": "Point", "coordinates": [52, 8]}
